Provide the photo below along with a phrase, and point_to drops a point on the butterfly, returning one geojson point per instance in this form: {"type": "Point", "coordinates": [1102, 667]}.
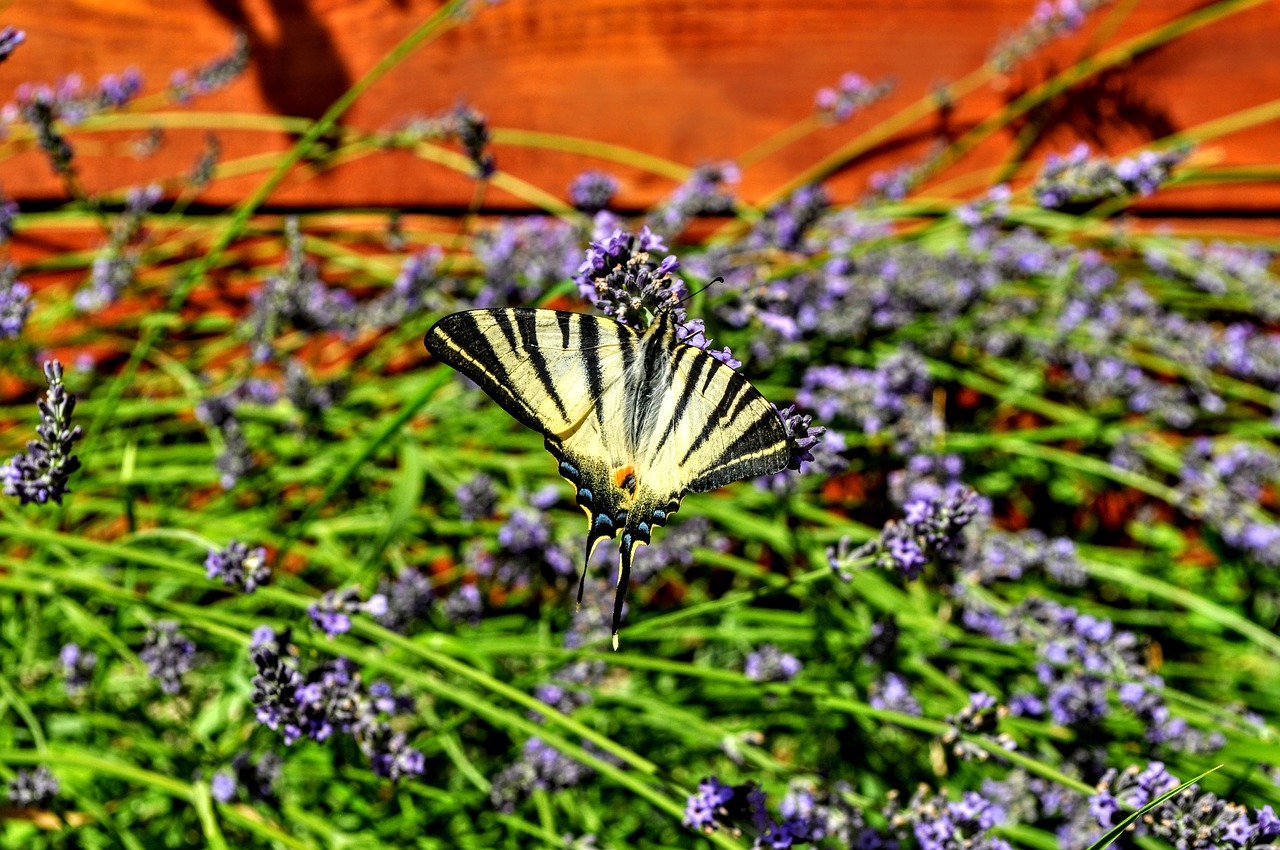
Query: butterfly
{"type": "Point", "coordinates": [635, 419]}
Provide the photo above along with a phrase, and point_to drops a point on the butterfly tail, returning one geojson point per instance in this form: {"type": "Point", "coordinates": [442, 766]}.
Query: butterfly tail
{"type": "Point", "coordinates": [629, 544]}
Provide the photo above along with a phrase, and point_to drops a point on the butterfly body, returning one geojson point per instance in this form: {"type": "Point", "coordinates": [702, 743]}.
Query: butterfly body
{"type": "Point", "coordinates": [635, 420]}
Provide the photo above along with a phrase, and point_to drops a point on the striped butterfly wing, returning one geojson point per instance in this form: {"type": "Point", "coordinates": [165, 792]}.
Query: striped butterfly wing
{"type": "Point", "coordinates": [563, 375]}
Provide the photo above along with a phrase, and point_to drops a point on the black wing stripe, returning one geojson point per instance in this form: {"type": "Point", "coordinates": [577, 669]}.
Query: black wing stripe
{"type": "Point", "coordinates": [737, 386]}
{"type": "Point", "coordinates": [589, 337]}
{"type": "Point", "coordinates": [527, 325]}
{"type": "Point", "coordinates": [458, 341]}
{"type": "Point", "coordinates": [686, 395]}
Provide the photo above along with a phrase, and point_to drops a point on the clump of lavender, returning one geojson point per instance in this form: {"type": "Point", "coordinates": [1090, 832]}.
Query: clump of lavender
{"type": "Point", "coordinates": [892, 693]}
{"type": "Point", "coordinates": [332, 614]}
{"type": "Point", "coordinates": [219, 412]}
{"type": "Point", "coordinates": [330, 699]}
{"type": "Point", "coordinates": [893, 399]}
{"type": "Point", "coordinates": [851, 94]}
{"type": "Point", "coordinates": [419, 279]}
{"type": "Point", "coordinates": [930, 532]}
{"type": "Point", "coordinates": [33, 789]}
{"type": "Point", "coordinates": [786, 223]}
{"type": "Point", "coordinates": [1191, 818]}
{"type": "Point", "coordinates": [740, 808]}
{"type": "Point", "coordinates": [39, 109]}
{"type": "Point", "coordinates": [238, 566]}
{"type": "Point", "coordinates": [567, 689]}
{"type": "Point", "coordinates": [619, 278]}
{"type": "Point", "coordinates": [42, 472]}
{"type": "Point", "coordinates": [168, 654]}
{"type": "Point", "coordinates": [767, 663]}
{"type": "Point", "coordinates": [1222, 483]}
{"type": "Point", "coordinates": [540, 767]}
{"type": "Point", "coordinates": [311, 398]}
{"type": "Point", "coordinates": [477, 498]}
{"type": "Point", "coordinates": [937, 823]}
{"type": "Point", "coordinates": [409, 597]}
{"type": "Point", "coordinates": [524, 257]}
{"type": "Point", "coordinates": [461, 124]}
{"type": "Point", "coordinates": [1051, 21]}
{"type": "Point", "coordinates": [1079, 179]}
{"type": "Point", "coordinates": [296, 297]}
{"type": "Point", "coordinates": [248, 780]}
{"type": "Point", "coordinates": [10, 38]}
{"type": "Point", "coordinates": [8, 214]}
{"type": "Point", "coordinates": [15, 302]}
{"type": "Point", "coordinates": [77, 667]}
{"type": "Point", "coordinates": [704, 193]}
{"type": "Point", "coordinates": [591, 191]}
{"type": "Point", "coordinates": [115, 265]}
{"type": "Point", "coordinates": [212, 76]}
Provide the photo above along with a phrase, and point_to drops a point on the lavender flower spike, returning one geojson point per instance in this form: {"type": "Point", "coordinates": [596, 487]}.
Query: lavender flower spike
{"type": "Point", "coordinates": [10, 38]}
{"type": "Point", "coordinates": [41, 472]}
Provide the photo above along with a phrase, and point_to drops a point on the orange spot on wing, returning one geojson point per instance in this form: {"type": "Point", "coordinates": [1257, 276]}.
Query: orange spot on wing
{"type": "Point", "coordinates": [620, 475]}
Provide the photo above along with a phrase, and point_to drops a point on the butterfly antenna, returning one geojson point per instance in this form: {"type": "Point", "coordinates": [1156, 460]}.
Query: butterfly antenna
{"type": "Point", "coordinates": [709, 283]}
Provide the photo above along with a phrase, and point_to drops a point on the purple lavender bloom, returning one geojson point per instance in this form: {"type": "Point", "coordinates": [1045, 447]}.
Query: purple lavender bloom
{"type": "Point", "coordinates": [770, 664]}
{"type": "Point", "coordinates": [409, 598]}
{"type": "Point", "coordinates": [931, 531]}
{"type": "Point", "coordinates": [10, 38]}
{"type": "Point", "coordinates": [33, 789]}
{"type": "Point", "coordinates": [702, 808]}
{"type": "Point", "coordinates": [891, 693]}
{"type": "Point", "coordinates": [524, 257]}
{"type": "Point", "coordinates": [247, 779]}
{"type": "Point", "coordinates": [591, 191]}
{"type": "Point", "coordinates": [168, 654]}
{"type": "Point", "coordinates": [41, 473]}
{"type": "Point", "coordinates": [1079, 179]}
{"type": "Point", "coordinates": [39, 108]}
{"type": "Point", "coordinates": [115, 264]}
{"type": "Point", "coordinates": [8, 213]}
{"type": "Point", "coordinates": [1051, 21]}
{"type": "Point", "coordinates": [464, 604]}
{"type": "Point", "coordinates": [802, 436]}
{"type": "Point", "coordinates": [332, 613]}
{"type": "Point", "coordinates": [941, 824]}
{"type": "Point", "coordinates": [418, 283]}
{"type": "Point", "coordinates": [539, 767]}
{"type": "Point", "coordinates": [212, 76]}
{"type": "Point", "coordinates": [239, 566]}
{"type": "Point", "coordinates": [853, 93]}
{"type": "Point", "coordinates": [703, 194]}
{"type": "Point", "coordinates": [15, 301]}
{"type": "Point", "coordinates": [785, 224]}
{"type": "Point", "coordinates": [77, 667]}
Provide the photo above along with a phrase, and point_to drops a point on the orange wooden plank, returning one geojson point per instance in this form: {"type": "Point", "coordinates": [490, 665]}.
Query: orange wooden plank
{"type": "Point", "coordinates": [686, 81]}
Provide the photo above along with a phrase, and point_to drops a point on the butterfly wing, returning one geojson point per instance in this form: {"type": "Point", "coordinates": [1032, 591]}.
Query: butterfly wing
{"type": "Point", "coordinates": [563, 375]}
{"type": "Point", "coordinates": [704, 428]}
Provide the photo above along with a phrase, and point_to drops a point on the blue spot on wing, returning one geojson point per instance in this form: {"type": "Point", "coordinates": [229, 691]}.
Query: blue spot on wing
{"type": "Point", "coordinates": [585, 493]}
{"type": "Point", "coordinates": [601, 519]}
{"type": "Point", "coordinates": [644, 526]}
{"type": "Point", "coordinates": [565, 466]}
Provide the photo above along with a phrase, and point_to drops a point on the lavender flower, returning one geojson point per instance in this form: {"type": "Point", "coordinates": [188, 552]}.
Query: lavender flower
{"type": "Point", "coordinates": [852, 93]}
{"type": "Point", "coordinates": [464, 604]}
{"type": "Point", "coordinates": [42, 472]}
{"type": "Point", "coordinates": [1051, 21]}
{"type": "Point", "coordinates": [331, 699]}
{"type": "Point", "coordinates": [10, 38]}
{"type": "Point", "coordinates": [770, 664]}
{"type": "Point", "coordinates": [941, 824]}
{"type": "Point", "coordinates": [33, 789]}
{"type": "Point", "coordinates": [567, 689]}
{"type": "Point", "coordinates": [77, 667]}
{"type": "Point", "coordinates": [477, 498]}
{"type": "Point", "coordinates": [786, 223]}
{"type": "Point", "coordinates": [1078, 179]}
{"type": "Point", "coordinates": [929, 532]}
{"type": "Point", "coordinates": [891, 693]}
{"type": "Point", "coordinates": [702, 194]}
{"type": "Point", "coordinates": [248, 780]}
{"type": "Point", "coordinates": [212, 76]}
{"type": "Point", "coordinates": [462, 124]}
{"type": "Point", "coordinates": [37, 107]}
{"type": "Point", "coordinates": [311, 398]}
{"type": "Point", "coordinates": [239, 566]}
{"type": "Point", "coordinates": [417, 282]}
{"type": "Point", "coordinates": [409, 599]}
{"type": "Point", "coordinates": [168, 654]}
{"type": "Point", "coordinates": [15, 301]}
{"type": "Point", "coordinates": [115, 265]}
{"type": "Point", "coordinates": [540, 766]}
{"type": "Point", "coordinates": [717, 805]}
{"type": "Point", "coordinates": [591, 191]}
{"type": "Point", "coordinates": [332, 613]}
{"type": "Point", "coordinates": [1190, 818]}
{"type": "Point", "coordinates": [206, 165]}
{"type": "Point", "coordinates": [525, 257]}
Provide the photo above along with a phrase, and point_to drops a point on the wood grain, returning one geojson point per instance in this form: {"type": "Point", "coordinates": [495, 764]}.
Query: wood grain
{"type": "Point", "coordinates": [685, 81]}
